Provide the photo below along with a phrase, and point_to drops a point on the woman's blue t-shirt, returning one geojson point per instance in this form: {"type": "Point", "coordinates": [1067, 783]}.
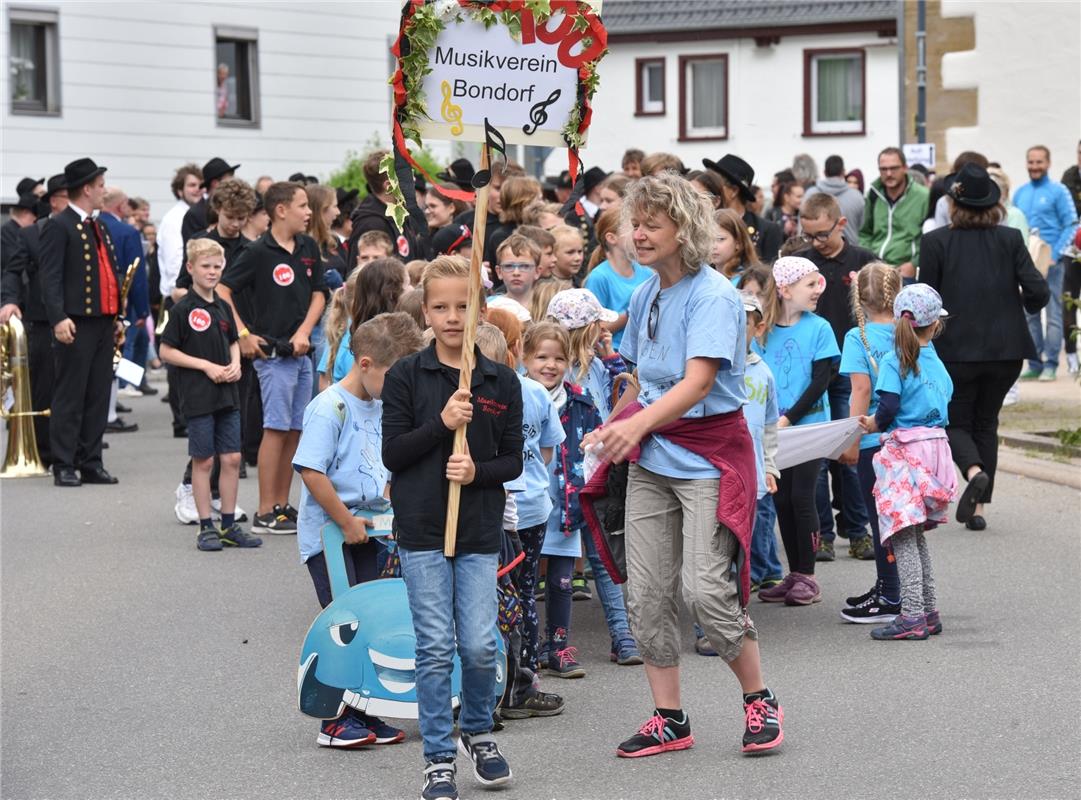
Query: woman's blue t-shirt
{"type": "Point", "coordinates": [856, 360]}
{"type": "Point", "coordinates": [925, 398]}
{"type": "Point", "coordinates": [789, 352]}
{"type": "Point", "coordinates": [701, 316]}
{"type": "Point", "coordinates": [614, 291]}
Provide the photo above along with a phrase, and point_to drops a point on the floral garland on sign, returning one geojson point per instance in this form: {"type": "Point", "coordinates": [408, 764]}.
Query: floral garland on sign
{"type": "Point", "coordinates": [421, 24]}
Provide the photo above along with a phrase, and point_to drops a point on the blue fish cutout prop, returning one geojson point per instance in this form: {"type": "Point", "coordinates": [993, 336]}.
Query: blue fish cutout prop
{"type": "Point", "coordinates": [360, 652]}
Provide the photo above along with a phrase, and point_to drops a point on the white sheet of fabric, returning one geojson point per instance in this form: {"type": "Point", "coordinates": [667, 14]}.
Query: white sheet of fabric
{"type": "Point", "coordinates": [799, 444]}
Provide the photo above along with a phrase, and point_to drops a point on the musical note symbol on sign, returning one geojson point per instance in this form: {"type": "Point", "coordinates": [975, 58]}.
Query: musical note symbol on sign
{"type": "Point", "coordinates": [538, 115]}
{"type": "Point", "coordinates": [451, 113]}
{"type": "Point", "coordinates": [493, 140]}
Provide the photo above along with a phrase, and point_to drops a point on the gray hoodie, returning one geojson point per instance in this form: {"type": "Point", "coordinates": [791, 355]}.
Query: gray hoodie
{"type": "Point", "coordinates": [850, 201]}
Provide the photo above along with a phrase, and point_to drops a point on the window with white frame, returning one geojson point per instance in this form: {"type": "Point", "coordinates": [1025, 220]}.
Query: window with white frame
{"type": "Point", "coordinates": [33, 61]}
{"type": "Point", "coordinates": [835, 81]}
{"type": "Point", "coordinates": [705, 97]}
{"type": "Point", "coordinates": [236, 76]}
{"type": "Point", "coordinates": [650, 87]}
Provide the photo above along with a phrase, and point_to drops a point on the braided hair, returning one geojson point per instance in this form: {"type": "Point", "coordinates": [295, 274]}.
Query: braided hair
{"type": "Point", "coordinates": [874, 290]}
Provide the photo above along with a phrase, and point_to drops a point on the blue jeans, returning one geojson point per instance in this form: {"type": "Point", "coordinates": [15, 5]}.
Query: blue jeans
{"type": "Point", "coordinates": [611, 596]}
{"type": "Point", "coordinates": [452, 600]}
{"type": "Point", "coordinates": [1049, 343]}
{"type": "Point", "coordinates": [136, 346]}
{"type": "Point", "coordinates": [765, 560]}
{"type": "Point", "coordinates": [846, 484]}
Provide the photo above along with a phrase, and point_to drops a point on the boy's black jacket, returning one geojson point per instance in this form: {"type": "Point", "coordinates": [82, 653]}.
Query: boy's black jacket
{"type": "Point", "coordinates": [417, 445]}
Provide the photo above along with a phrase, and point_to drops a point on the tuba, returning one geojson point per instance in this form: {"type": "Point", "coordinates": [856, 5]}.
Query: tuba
{"type": "Point", "coordinates": [22, 459]}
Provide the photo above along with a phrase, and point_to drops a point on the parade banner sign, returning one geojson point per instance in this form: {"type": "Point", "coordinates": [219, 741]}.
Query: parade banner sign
{"type": "Point", "coordinates": [499, 72]}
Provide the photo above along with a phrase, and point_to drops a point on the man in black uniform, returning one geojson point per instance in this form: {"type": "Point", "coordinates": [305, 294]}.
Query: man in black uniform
{"type": "Point", "coordinates": [195, 220]}
{"type": "Point", "coordinates": [738, 179]}
{"type": "Point", "coordinates": [80, 282]}
{"type": "Point", "coordinates": [26, 266]}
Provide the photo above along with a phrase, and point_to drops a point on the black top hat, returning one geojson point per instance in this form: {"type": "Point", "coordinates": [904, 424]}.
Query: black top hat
{"type": "Point", "coordinates": [460, 173]}
{"type": "Point", "coordinates": [343, 196]}
{"type": "Point", "coordinates": [593, 178]}
{"type": "Point", "coordinates": [54, 185]}
{"type": "Point", "coordinates": [81, 171]}
{"type": "Point", "coordinates": [216, 168]}
{"type": "Point", "coordinates": [972, 187]}
{"type": "Point", "coordinates": [26, 186]}
{"type": "Point", "coordinates": [450, 238]}
{"type": "Point", "coordinates": [27, 201]}
{"type": "Point", "coordinates": [736, 170]}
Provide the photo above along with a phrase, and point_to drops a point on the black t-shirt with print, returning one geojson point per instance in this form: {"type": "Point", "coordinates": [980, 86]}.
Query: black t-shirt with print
{"type": "Point", "coordinates": [835, 304]}
{"type": "Point", "coordinates": [281, 283]}
{"type": "Point", "coordinates": [202, 329]}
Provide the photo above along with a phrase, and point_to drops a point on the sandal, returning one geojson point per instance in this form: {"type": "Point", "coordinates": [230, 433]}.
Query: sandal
{"type": "Point", "coordinates": [537, 704]}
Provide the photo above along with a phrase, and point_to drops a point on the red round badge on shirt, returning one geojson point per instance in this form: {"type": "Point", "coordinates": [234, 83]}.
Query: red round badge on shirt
{"type": "Point", "coordinates": [199, 319]}
{"type": "Point", "coordinates": [283, 275]}
{"type": "Point", "coordinates": [403, 246]}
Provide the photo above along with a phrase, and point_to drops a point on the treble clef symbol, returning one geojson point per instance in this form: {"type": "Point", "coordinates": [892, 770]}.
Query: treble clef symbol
{"type": "Point", "coordinates": [538, 115]}
{"type": "Point", "coordinates": [451, 113]}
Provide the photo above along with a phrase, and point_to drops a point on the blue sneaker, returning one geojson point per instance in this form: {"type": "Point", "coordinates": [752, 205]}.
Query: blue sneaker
{"type": "Point", "coordinates": [902, 627]}
{"type": "Point", "coordinates": [439, 781]}
{"type": "Point", "coordinates": [234, 536]}
{"type": "Point", "coordinates": [384, 734]}
{"type": "Point", "coordinates": [489, 766]}
{"type": "Point", "coordinates": [625, 652]}
{"type": "Point", "coordinates": [347, 731]}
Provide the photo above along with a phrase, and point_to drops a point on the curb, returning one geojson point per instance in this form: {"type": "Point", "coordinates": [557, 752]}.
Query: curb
{"type": "Point", "coordinates": [1063, 473]}
{"type": "Point", "coordinates": [1032, 441]}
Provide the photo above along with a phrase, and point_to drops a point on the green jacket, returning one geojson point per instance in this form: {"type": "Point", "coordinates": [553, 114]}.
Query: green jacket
{"type": "Point", "coordinates": [892, 232]}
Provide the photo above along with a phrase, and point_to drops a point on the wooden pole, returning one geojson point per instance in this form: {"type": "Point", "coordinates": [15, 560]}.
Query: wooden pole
{"type": "Point", "coordinates": [469, 335]}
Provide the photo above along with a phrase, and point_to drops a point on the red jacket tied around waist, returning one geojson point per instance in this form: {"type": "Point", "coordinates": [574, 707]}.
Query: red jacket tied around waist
{"type": "Point", "coordinates": [724, 441]}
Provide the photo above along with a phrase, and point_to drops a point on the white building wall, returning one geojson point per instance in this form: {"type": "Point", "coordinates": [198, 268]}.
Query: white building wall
{"type": "Point", "coordinates": [138, 80]}
{"type": "Point", "coordinates": [1027, 70]}
{"type": "Point", "coordinates": [765, 106]}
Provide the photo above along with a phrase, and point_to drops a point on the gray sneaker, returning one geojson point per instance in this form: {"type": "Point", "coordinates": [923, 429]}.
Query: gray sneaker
{"type": "Point", "coordinates": [1047, 375]}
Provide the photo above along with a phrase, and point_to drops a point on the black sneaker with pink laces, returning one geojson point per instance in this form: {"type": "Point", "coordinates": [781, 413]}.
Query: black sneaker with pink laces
{"type": "Point", "coordinates": [763, 716]}
{"type": "Point", "coordinates": [660, 734]}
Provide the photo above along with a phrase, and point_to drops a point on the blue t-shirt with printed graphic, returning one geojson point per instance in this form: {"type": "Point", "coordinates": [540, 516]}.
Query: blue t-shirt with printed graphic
{"type": "Point", "coordinates": [760, 411]}
{"type": "Point", "coordinates": [541, 426]}
{"type": "Point", "coordinates": [343, 359]}
{"type": "Point", "coordinates": [343, 439]}
{"type": "Point", "coordinates": [614, 290]}
{"type": "Point", "coordinates": [701, 316]}
{"type": "Point", "coordinates": [925, 398]}
{"type": "Point", "coordinates": [856, 360]}
{"type": "Point", "coordinates": [789, 352]}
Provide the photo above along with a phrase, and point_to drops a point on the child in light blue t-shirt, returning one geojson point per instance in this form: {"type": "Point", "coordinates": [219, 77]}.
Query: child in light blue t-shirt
{"type": "Point", "coordinates": [340, 463]}
{"type": "Point", "coordinates": [865, 348]}
{"type": "Point", "coordinates": [801, 350]}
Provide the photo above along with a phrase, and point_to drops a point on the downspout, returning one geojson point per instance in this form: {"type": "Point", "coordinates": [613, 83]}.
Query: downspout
{"type": "Point", "coordinates": [902, 68]}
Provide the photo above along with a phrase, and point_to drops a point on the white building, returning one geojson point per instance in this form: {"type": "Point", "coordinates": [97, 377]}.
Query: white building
{"type": "Point", "coordinates": [1027, 74]}
{"type": "Point", "coordinates": [764, 80]}
{"type": "Point", "coordinates": [136, 87]}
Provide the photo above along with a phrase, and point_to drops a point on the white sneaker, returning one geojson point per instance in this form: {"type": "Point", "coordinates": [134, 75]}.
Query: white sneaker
{"type": "Point", "coordinates": [1072, 364]}
{"type": "Point", "coordinates": [215, 510]}
{"type": "Point", "coordinates": [129, 391]}
{"type": "Point", "coordinates": [186, 513]}
{"type": "Point", "coordinates": [1013, 396]}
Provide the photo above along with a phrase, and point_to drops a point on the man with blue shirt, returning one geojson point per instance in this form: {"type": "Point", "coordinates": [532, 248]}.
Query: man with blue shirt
{"type": "Point", "coordinates": [1050, 212]}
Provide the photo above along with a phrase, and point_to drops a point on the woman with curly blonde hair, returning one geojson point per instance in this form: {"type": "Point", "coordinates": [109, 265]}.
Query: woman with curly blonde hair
{"type": "Point", "coordinates": [689, 505]}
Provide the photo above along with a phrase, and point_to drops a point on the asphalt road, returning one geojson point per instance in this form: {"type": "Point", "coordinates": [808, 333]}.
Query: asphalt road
{"type": "Point", "coordinates": [134, 666]}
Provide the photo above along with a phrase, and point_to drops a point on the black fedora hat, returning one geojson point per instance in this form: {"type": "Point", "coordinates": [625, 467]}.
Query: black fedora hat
{"type": "Point", "coordinates": [972, 187]}
{"type": "Point", "coordinates": [736, 170]}
{"type": "Point", "coordinates": [26, 186]}
{"type": "Point", "coordinates": [81, 171]}
{"type": "Point", "coordinates": [54, 185]}
{"type": "Point", "coordinates": [593, 178]}
{"type": "Point", "coordinates": [460, 173]}
{"type": "Point", "coordinates": [560, 181]}
{"type": "Point", "coordinates": [216, 168]}
{"type": "Point", "coordinates": [28, 201]}
{"type": "Point", "coordinates": [343, 196]}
